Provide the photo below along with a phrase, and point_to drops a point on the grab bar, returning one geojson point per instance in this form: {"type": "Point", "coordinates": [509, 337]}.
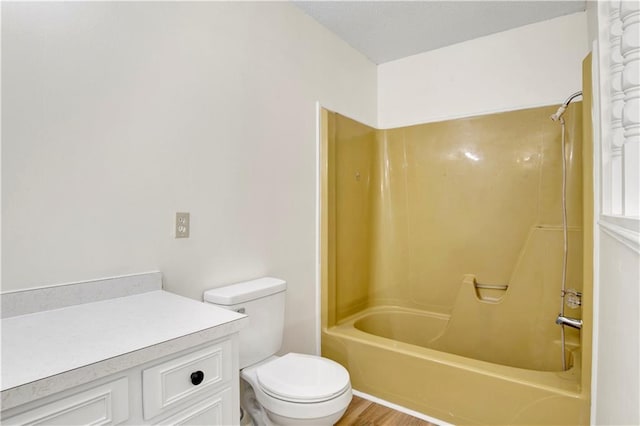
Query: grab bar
{"type": "Point", "coordinates": [490, 286]}
{"type": "Point", "coordinates": [480, 289]}
{"type": "Point", "coordinates": [471, 279]}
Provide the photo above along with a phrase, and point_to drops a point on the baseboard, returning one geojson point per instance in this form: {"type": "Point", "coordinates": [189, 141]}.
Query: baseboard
{"type": "Point", "coordinates": [401, 408]}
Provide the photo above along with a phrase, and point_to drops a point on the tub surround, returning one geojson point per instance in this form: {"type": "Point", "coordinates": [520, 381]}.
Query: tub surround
{"type": "Point", "coordinates": [50, 351]}
{"type": "Point", "coordinates": [415, 208]}
{"type": "Point", "coordinates": [442, 260]}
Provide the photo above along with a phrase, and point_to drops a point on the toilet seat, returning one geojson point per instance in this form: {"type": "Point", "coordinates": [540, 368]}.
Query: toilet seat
{"type": "Point", "coordinates": [302, 378]}
{"type": "Point", "coordinates": [294, 411]}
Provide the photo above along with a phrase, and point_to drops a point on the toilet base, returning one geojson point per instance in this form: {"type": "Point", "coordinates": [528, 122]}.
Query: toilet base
{"type": "Point", "coordinates": [254, 414]}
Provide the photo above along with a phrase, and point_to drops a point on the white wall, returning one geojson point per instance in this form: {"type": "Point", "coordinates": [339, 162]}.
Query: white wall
{"type": "Point", "coordinates": [117, 115]}
{"type": "Point", "coordinates": [535, 65]}
{"type": "Point", "coordinates": [615, 389]}
{"type": "Point", "coordinates": [618, 371]}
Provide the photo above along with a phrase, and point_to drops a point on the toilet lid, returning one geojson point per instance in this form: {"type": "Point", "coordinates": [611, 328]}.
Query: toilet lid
{"type": "Point", "coordinates": [303, 378]}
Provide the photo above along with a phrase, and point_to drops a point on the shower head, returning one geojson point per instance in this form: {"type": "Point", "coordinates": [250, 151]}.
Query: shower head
{"type": "Point", "coordinates": [558, 113]}
{"type": "Point", "coordinates": [563, 107]}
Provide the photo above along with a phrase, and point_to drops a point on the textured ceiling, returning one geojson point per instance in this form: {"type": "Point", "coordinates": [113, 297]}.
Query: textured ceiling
{"type": "Point", "coordinates": [389, 30]}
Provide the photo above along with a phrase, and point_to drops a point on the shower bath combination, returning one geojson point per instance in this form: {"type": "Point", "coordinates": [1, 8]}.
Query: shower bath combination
{"type": "Point", "coordinates": [413, 220]}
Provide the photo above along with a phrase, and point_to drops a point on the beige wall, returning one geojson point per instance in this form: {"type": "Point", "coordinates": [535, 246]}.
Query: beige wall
{"type": "Point", "coordinates": [117, 115]}
{"type": "Point", "coordinates": [530, 66]}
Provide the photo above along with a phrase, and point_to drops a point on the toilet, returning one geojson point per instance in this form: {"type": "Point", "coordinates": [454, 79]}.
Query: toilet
{"type": "Point", "coordinates": [293, 389]}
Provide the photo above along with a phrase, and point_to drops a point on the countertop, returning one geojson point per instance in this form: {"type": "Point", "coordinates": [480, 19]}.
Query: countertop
{"type": "Point", "coordinates": [53, 350]}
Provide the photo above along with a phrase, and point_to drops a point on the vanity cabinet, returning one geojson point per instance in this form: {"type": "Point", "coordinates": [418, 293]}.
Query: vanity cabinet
{"type": "Point", "coordinates": [193, 387]}
{"type": "Point", "coordinates": [117, 351]}
{"type": "Point", "coordinates": [100, 405]}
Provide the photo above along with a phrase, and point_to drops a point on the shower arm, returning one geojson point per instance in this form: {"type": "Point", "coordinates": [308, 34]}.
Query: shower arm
{"type": "Point", "coordinates": [558, 115]}
{"type": "Point", "coordinates": [572, 97]}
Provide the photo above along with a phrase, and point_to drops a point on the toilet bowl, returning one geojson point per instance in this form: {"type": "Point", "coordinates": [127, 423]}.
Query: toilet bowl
{"type": "Point", "coordinates": [293, 389]}
{"type": "Point", "coordinates": [298, 389]}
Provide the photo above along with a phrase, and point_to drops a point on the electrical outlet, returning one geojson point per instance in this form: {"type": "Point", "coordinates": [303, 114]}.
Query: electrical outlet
{"type": "Point", "coordinates": [182, 225]}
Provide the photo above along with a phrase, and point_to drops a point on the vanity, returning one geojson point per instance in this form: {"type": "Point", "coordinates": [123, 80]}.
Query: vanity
{"type": "Point", "coordinates": [118, 351]}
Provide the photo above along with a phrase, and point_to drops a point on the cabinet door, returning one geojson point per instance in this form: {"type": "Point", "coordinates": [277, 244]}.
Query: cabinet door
{"type": "Point", "coordinates": [215, 410]}
{"type": "Point", "coordinates": [107, 404]}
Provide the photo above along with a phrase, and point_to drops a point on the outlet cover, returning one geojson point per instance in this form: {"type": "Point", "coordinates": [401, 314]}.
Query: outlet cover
{"type": "Point", "coordinates": [182, 225]}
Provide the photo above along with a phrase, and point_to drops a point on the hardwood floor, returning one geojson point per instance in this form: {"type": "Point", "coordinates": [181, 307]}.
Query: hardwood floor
{"type": "Point", "coordinates": [362, 412]}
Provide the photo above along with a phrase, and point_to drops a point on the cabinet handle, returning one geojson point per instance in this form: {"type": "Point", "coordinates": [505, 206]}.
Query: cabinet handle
{"type": "Point", "coordinates": [197, 377]}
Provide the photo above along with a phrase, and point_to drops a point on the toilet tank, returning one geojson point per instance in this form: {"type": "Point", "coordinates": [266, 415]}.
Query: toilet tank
{"type": "Point", "coordinates": [262, 300]}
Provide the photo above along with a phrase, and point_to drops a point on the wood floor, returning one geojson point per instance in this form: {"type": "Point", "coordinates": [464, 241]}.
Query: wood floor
{"type": "Point", "coordinates": [362, 412]}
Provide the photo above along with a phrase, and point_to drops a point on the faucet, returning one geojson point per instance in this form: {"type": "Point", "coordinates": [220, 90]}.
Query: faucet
{"type": "Point", "coordinates": [571, 322]}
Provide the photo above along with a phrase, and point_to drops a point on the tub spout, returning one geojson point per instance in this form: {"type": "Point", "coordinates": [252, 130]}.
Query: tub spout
{"type": "Point", "coordinates": [571, 322]}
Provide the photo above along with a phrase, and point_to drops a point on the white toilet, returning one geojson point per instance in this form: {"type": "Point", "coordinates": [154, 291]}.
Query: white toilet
{"type": "Point", "coordinates": [293, 389]}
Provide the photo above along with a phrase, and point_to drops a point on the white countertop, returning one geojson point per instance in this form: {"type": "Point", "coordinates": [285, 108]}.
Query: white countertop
{"type": "Point", "coordinates": [107, 336]}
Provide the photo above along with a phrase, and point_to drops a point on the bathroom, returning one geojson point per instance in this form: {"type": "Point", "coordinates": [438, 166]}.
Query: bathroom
{"type": "Point", "coordinates": [115, 116]}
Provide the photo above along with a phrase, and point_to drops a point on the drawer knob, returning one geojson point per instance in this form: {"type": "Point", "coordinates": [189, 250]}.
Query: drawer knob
{"type": "Point", "coordinates": [197, 377]}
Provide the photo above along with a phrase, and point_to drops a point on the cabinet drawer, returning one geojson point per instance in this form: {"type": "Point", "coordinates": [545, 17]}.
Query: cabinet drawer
{"type": "Point", "coordinates": [107, 404]}
{"type": "Point", "coordinates": [215, 410]}
{"type": "Point", "coordinates": [187, 376]}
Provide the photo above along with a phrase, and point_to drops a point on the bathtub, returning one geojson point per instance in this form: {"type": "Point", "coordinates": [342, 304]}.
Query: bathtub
{"type": "Point", "coordinates": [400, 355]}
